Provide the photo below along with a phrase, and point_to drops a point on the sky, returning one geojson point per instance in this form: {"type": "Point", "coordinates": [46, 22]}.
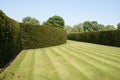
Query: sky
{"type": "Point", "coordinates": [72, 11]}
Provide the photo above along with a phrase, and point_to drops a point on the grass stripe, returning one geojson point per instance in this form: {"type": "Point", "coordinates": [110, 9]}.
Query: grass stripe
{"type": "Point", "coordinates": [102, 66]}
{"type": "Point", "coordinates": [22, 72]}
{"type": "Point", "coordinates": [31, 66]}
{"type": "Point", "coordinates": [44, 70]}
{"type": "Point", "coordinates": [11, 70]}
{"type": "Point", "coordinates": [103, 50]}
{"type": "Point", "coordinates": [88, 69]}
{"type": "Point", "coordinates": [103, 59]}
{"type": "Point", "coordinates": [112, 54]}
{"type": "Point", "coordinates": [64, 68]}
{"type": "Point", "coordinates": [97, 52]}
{"type": "Point", "coordinates": [70, 61]}
{"type": "Point", "coordinates": [99, 56]}
{"type": "Point", "coordinates": [110, 49]}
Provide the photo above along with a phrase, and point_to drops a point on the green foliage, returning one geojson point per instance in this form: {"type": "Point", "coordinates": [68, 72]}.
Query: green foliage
{"type": "Point", "coordinates": [9, 39]}
{"type": "Point", "coordinates": [68, 28]}
{"type": "Point", "coordinates": [95, 26]}
{"type": "Point", "coordinates": [55, 21]}
{"type": "Point", "coordinates": [118, 26]}
{"type": "Point", "coordinates": [110, 27]}
{"type": "Point", "coordinates": [78, 28]}
{"type": "Point", "coordinates": [111, 38]}
{"type": "Point", "coordinates": [87, 26]}
{"type": "Point", "coordinates": [101, 27]}
{"type": "Point", "coordinates": [36, 36]}
{"type": "Point", "coordinates": [90, 26]}
{"type": "Point", "coordinates": [30, 20]}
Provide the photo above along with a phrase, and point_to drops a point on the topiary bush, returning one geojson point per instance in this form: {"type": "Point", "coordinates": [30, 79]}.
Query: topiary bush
{"type": "Point", "coordinates": [111, 38]}
{"type": "Point", "coordinates": [37, 36]}
{"type": "Point", "coordinates": [9, 39]}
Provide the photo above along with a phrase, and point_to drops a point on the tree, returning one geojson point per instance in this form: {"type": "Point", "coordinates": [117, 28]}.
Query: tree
{"type": "Point", "coordinates": [68, 28]}
{"type": "Point", "coordinates": [110, 27]}
{"type": "Point", "coordinates": [87, 26]}
{"type": "Point", "coordinates": [78, 28]}
{"type": "Point", "coordinates": [101, 27]}
{"type": "Point", "coordinates": [30, 20]}
{"type": "Point", "coordinates": [118, 26]}
{"type": "Point", "coordinates": [95, 26]}
{"type": "Point", "coordinates": [90, 26]}
{"type": "Point", "coordinates": [55, 21]}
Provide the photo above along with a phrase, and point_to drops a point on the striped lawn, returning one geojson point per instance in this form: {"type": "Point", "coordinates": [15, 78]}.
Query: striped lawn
{"type": "Point", "coordinates": [70, 61]}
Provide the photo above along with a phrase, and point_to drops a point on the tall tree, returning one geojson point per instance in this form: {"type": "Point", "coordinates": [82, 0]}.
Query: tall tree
{"type": "Point", "coordinates": [78, 28]}
{"type": "Point", "coordinates": [55, 21]}
{"type": "Point", "coordinates": [30, 20]}
{"type": "Point", "coordinates": [87, 26]}
{"type": "Point", "coordinates": [110, 27]}
{"type": "Point", "coordinates": [118, 26]}
{"type": "Point", "coordinates": [95, 26]}
{"type": "Point", "coordinates": [68, 28]}
{"type": "Point", "coordinates": [101, 27]}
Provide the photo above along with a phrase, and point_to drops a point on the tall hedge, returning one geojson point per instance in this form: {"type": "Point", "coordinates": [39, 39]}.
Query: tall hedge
{"type": "Point", "coordinates": [111, 38]}
{"type": "Point", "coordinates": [9, 39]}
{"type": "Point", "coordinates": [37, 36]}
{"type": "Point", "coordinates": [14, 37]}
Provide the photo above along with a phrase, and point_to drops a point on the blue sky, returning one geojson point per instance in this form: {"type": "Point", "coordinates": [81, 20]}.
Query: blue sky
{"type": "Point", "coordinates": [73, 11]}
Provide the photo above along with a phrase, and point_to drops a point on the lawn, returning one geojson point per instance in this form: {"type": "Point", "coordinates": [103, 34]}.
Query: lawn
{"type": "Point", "coordinates": [71, 61]}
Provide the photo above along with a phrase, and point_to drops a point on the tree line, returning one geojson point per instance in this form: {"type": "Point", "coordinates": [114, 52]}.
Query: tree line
{"type": "Point", "coordinates": [89, 26]}
{"type": "Point", "coordinates": [54, 21]}
{"type": "Point", "coordinates": [86, 26]}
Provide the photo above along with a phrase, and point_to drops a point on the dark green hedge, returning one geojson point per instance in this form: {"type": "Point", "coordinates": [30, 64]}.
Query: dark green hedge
{"type": "Point", "coordinates": [37, 36]}
{"type": "Point", "coordinates": [15, 36]}
{"type": "Point", "coordinates": [111, 38]}
{"type": "Point", "coordinates": [9, 39]}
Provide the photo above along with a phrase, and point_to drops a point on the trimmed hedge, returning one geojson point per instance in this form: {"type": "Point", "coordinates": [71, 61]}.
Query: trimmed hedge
{"type": "Point", "coordinates": [9, 39]}
{"type": "Point", "coordinates": [111, 38]}
{"type": "Point", "coordinates": [14, 37]}
{"type": "Point", "coordinates": [37, 36]}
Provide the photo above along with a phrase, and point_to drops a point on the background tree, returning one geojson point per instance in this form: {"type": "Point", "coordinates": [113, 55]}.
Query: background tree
{"type": "Point", "coordinates": [55, 21]}
{"type": "Point", "coordinates": [101, 27]}
{"type": "Point", "coordinates": [110, 27]}
{"type": "Point", "coordinates": [87, 26]}
{"type": "Point", "coordinates": [78, 28]}
{"type": "Point", "coordinates": [118, 26]}
{"type": "Point", "coordinates": [90, 26]}
{"type": "Point", "coordinates": [30, 20]}
{"type": "Point", "coordinates": [95, 26]}
{"type": "Point", "coordinates": [68, 28]}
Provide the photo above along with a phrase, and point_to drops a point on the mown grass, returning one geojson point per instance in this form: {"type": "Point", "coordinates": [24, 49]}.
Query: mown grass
{"type": "Point", "coordinates": [70, 61]}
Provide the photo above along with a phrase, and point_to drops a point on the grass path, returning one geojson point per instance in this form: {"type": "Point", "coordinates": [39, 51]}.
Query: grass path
{"type": "Point", "coordinates": [70, 61]}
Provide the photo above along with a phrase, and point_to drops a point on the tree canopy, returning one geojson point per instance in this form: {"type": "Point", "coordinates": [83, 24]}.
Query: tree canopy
{"type": "Point", "coordinates": [110, 27]}
{"type": "Point", "coordinates": [68, 28]}
{"type": "Point", "coordinates": [118, 26]}
{"type": "Point", "coordinates": [55, 21]}
{"type": "Point", "coordinates": [90, 26]}
{"type": "Point", "coordinates": [78, 28]}
{"type": "Point", "coordinates": [30, 20]}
